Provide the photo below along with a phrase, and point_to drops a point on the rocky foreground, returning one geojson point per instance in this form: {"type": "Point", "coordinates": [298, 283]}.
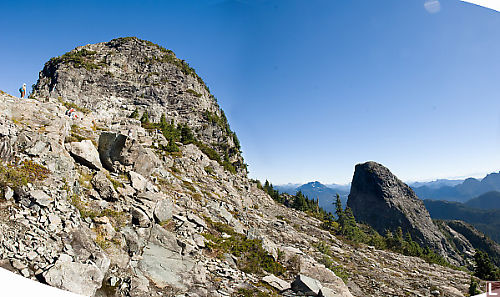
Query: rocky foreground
{"type": "Point", "coordinates": [77, 232]}
{"type": "Point", "coordinates": [95, 205]}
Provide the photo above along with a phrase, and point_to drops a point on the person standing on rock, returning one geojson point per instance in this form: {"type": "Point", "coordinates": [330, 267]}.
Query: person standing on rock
{"type": "Point", "coordinates": [22, 90]}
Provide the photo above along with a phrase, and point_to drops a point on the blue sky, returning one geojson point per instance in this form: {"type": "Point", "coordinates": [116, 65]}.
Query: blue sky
{"type": "Point", "coordinates": [311, 87]}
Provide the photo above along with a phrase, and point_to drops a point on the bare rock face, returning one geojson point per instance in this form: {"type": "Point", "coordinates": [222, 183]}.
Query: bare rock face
{"type": "Point", "coordinates": [467, 239]}
{"type": "Point", "coordinates": [115, 78]}
{"type": "Point", "coordinates": [381, 200]}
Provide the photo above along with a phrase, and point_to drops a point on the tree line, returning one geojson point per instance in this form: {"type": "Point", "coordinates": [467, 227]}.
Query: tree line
{"type": "Point", "coordinates": [343, 224]}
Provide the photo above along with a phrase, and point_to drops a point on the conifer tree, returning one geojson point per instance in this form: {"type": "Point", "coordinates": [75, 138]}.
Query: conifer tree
{"type": "Point", "coordinates": [145, 118]}
{"type": "Point", "coordinates": [399, 237]}
{"type": "Point", "coordinates": [484, 268]}
{"type": "Point", "coordinates": [187, 135]}
{"type": "Point", "coordinates": [299, 201]}
{"type": "Point", "coordinates": [163, 121]}
{"type": "Point", "coordinates": [339, 211]}
{"type": "Point", "coordinates": [135, 114]}
{"type": "Point", "coordinates": [349, 227]}
{"type": "Point", "coordinates": [474, 287]}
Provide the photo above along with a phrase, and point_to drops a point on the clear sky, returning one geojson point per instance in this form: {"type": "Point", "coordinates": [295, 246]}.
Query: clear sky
{"type": "Point", "coordinates": [311, 87]}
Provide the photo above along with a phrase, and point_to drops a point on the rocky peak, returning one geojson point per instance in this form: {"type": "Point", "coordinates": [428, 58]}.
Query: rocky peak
{"type": "Point", "coordinates": [381, 200]}
{"type": "Point", "coordinates": [113, 79]}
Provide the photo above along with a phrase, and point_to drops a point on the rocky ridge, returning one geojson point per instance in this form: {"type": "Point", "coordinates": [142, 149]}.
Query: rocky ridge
{"type": "Point", "coordinates": [115, 215]}
{"type": "Point", "coordinates": [384, 202]}
{"type": "Point", "coordinates": [115, 78]}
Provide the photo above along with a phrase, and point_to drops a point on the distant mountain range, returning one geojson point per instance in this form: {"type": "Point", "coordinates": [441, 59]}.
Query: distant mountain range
{"type": "Point", "coordinates": [486, 221]}
{"type": "Point", "coordinates": [487, 201]}
{"type": "Point", "coordinates": [435, 184]}
{"type": "Point", "coordinates": [475, 201]}
{"type": "Point", "coordinates": [315, 190]}
{"type": "Point", "coordinates": [441, 189]}
{"type": "Point", "coordinates": [454, 190]}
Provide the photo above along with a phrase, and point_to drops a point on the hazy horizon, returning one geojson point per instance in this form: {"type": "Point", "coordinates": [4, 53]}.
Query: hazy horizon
{"type": "Point", "coordinates": [476, 176]}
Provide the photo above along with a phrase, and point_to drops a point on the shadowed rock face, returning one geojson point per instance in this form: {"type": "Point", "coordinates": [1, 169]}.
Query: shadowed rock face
{"type": "Point", "coordinates": [381, 200]}
{"type": "Point", "coordinates": [474, 238]}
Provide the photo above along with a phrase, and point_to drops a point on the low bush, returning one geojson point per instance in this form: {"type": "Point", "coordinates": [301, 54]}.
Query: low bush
{"type": "Point", "coordinates": [70, 105]}
{"type": "Point", "coordinates": [16, 175]}
{"type": "Point", "coordinates": [252, 258]}
{"type": "Point", "coordinates": [193, 92]}
{"type": "Point", "coordinates": [79, 59]}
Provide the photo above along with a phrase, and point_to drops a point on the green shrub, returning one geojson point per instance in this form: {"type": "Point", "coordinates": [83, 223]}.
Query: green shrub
{"type": "Point", "coordinates": [229, 167]}
{"type": "Point", "coordinates": [80, 59]}
{"type": "Point", "coordinates": [328, 262]}
{"type": "Point", "coordinates": [183, 133]}
{"type": "Point", "coordinates": [210, 152]}
{"type": "Point", "coordinates": [474, 287]}
{"type": "Point", "coordinates": [70, 105]}
{"type": "Point", "coordinates": [188, 186]}
{"type": "Point", "coordinates": [252, 258]}
{"type": "Point", "coordinates": [242, 292]}
{"type": "Point", "coordinates": [134, 114]}
{"type": "Point", "coordinates": [145, 118]}
{"type": "Point", "coordinates": [118, 218]}
{"type": "Point", "coordinates": [19, 175]}
{"type": "Point", "coordinates": [193, 92]}
{"type": "Point", "coordinates": [116, 184]}
{"type": "Point", "coordinates": [209, 170]}
{"type": "Point", "coordinates": [214, 119]}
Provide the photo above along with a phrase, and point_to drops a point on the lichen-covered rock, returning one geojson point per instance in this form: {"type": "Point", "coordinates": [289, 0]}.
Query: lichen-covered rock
{"type": "Point", "coordinates": [138, 181]}
{"type": "Point", "coordinates": [165, 267]}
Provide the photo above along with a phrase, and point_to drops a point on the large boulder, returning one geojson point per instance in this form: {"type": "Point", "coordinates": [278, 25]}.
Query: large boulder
{"type": "Point", "coordinates": [8, 133]}
{"type": "Point", "coordinates": [276, 282]}
{"type": "Point", "coordinates": [85, 153]}
{"type": "Point", "coordinates": [140, 217]}
{"type": "Point", "coordinates": [162, 262]}
{"type": "Point", "coordinates": [165, 267]}
{"type": "Point", "coordinates": [163, 210]}
{"type": "Point", "coordinates": [138, 181]}
{"type": "Point", "coordinates": [104, 187]}
{"type": "Point", "coordinates": [84, 249]}
{"type": "Point", "coordinates": [381, 200]}
{"type": "Point", "coordinates": [40, 197]}
{"type": "Point", "coordinates": [118, 151]}
{"type": "Point", "coordinates": [78, 278]}
{"type": "Point", "coordinates": [306, 286]}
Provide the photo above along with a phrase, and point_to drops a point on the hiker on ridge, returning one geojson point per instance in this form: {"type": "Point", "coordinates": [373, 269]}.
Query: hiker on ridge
{"type": "Point", "coordinates": [23, 91]}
